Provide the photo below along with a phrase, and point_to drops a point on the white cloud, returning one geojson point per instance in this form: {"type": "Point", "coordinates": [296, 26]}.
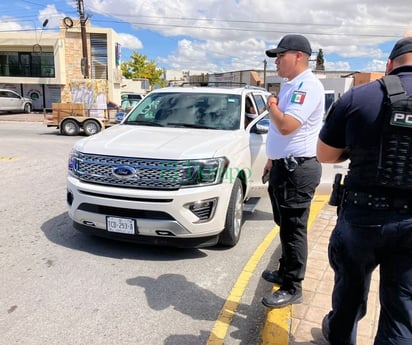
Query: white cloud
{"type": "Point", "coordinates": [376, 65]}
{"type": "Point", "coordinates": [337, 66]}
{"type": "Point", "coordinates": [234, 34]}
{"type": "Point", "coordinates": [204, 55]}
{"type": "Point", "coordinates": [9, 24]}
{"type": "Point", "coordinates": [130, 42]}
{"type": "Point", "coordinates": [52, 15]}
{"type": "Point", "coordinates": [354, 28]}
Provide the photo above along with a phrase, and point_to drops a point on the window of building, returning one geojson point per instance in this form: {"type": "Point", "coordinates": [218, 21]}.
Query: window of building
{"type": "Point", "coordinates": [98, 43]}
{"type": "Point", "coordinates": [26, 64]}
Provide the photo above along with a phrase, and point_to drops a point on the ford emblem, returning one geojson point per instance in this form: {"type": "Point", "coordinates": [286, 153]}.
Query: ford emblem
{"type": "Point", "coordinates": [124, 172]}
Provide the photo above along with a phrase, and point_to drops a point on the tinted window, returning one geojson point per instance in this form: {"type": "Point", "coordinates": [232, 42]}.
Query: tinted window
{"type": "Point", "coordinates": [260, 103]}
{"type": "Point", "coordinates": [213, 111]}
{"type": "Point", "coordinates": [13, 95]}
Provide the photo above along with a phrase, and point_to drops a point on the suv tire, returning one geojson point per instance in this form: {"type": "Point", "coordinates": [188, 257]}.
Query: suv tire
{"type": "Point", "coordinates": [234, 217]}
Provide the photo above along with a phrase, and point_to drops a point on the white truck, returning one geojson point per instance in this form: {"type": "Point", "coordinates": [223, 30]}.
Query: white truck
{"type": "Point", "coordinates": [178, 170]}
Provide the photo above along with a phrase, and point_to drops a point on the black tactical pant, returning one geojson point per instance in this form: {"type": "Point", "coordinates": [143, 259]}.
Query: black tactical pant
{"type": "Point", "coordinates": [291, 194]}
{"type": "Point", "coordinates": [362, 240]}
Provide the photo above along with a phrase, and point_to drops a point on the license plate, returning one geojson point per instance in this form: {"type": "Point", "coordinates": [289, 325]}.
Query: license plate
{"type": "Point", "coordinates": [121, 225]}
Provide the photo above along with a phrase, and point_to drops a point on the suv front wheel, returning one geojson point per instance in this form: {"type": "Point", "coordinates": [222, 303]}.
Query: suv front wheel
{"type": "Point", "coordinates": [234, 216]}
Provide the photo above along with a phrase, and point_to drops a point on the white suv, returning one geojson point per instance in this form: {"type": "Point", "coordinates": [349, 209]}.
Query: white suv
{"type": "Point", "coordinates": [177, 170]}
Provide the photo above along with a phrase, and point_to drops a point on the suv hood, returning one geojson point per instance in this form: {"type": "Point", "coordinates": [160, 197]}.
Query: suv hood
{"type": "Point", "coordinates": [161, 143]}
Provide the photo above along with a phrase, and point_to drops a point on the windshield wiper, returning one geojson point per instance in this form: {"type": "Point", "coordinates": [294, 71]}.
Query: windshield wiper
{"type": "Point", "coordinates": [144, 123]}
{"type": "Point", "coordinates": [189, 125]}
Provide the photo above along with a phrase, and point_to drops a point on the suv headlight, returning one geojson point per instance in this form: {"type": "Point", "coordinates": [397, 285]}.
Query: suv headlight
{"type": "Point", "coordinates": [73, 163]}
{"type": "Point", "coordinates": [204, 171]}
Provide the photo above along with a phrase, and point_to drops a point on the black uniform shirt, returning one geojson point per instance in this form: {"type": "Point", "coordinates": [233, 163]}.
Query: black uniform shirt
{"type": "Point", "coordinates": [352, 121]}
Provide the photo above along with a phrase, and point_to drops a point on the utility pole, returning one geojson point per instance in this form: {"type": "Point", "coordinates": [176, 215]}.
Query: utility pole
{"type": "Point", "coordinates": [265, 63]}
{"type": "Point", "coordinates": [83, 20]}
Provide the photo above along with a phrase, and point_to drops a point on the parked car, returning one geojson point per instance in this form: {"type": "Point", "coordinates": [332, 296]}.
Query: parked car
{"type": "Point", "coordinates": [11, 101]}
{"type": "Point", "coordinates": [178, 170]}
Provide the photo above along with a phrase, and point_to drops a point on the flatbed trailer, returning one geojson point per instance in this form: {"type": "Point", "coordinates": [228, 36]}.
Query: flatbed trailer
{"type": "Point", "coordinates": [71, 118]}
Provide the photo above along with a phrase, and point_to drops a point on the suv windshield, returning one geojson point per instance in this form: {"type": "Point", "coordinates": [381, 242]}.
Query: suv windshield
{"type": "Point", "coordinates": [183, 109]}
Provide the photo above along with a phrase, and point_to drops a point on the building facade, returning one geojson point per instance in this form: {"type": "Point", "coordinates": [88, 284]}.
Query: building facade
{"type": "Point", "coordinates": [49, 67]}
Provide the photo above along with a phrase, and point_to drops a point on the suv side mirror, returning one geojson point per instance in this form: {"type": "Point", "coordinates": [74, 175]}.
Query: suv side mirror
{"type": "Point", "coordinates": [261, 127]}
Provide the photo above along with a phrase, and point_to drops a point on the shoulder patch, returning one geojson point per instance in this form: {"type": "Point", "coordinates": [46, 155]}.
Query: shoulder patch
{"type": "Point", "coordinates": [298, 97]}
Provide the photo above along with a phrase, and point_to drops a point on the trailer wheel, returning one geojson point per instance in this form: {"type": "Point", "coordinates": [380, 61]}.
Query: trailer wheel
{"type": "Point", "coordinates": [91, 127]}
{"type": "Point", "coordinates": [70, 127]}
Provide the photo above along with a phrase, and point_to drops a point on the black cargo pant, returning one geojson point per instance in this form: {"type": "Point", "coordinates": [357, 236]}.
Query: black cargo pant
{"type": "Point", "coordinates": [362, 240]}
{"type": "Point", "coordinates": [291, 194]}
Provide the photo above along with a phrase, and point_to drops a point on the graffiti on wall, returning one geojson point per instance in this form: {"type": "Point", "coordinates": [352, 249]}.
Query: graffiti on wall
{"type": "Point", "coordinates": [92, 93]}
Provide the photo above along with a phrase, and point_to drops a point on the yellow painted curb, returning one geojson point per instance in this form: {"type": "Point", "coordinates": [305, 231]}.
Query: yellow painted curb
{"type": "Point", "coordinates": [225, 317]}
{"type": "Point", "coordinates": [276, 330]}
{"type": "Point", "coordinates": [278, 321]}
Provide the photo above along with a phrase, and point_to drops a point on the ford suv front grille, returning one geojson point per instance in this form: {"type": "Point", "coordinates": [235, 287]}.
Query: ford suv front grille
{"type": "Point", "coordinates": [131, 172]}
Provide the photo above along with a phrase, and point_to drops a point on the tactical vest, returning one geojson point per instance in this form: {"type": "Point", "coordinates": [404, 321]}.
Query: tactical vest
{"type": "Point", "coordinates": [389, 167]}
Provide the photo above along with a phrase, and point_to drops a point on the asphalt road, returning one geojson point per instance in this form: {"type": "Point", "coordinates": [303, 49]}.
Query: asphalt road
{"type": "Point", "coordinates": [59, 286]}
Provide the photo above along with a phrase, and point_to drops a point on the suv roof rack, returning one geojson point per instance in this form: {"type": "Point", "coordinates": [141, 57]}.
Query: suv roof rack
{"type": "Point", "coordinates": [214, 84]}
{"type": "Point", "coordinates": [255, 87]}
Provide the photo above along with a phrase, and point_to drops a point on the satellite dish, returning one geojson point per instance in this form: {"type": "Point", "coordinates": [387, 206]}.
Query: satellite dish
{"type": "Point", "coordinates": [68, 22]}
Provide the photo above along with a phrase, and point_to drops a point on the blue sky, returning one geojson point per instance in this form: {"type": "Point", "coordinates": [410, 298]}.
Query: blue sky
{"type": "Point", "coordinates": [226, 35]}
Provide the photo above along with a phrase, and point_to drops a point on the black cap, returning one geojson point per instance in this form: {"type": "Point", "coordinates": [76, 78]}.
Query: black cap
{"type": "Point", "coordinates": [291, 42]}
{"type": "Point", "coordinates": [401, 47]}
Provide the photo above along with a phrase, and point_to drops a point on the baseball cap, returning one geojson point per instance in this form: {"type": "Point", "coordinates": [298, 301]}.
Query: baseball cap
{"type": "Point", "coordinates": [401, 47]}
{"type": "Point", "coordinates": [291, 42]}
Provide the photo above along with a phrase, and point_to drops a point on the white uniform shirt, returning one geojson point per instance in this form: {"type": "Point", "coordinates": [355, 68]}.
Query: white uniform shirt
{"type": "Point", "coordinates": [303, 98]}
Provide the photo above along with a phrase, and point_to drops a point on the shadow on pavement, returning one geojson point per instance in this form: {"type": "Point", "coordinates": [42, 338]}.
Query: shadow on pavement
{"type": "Point", "coordinates": [59, 230]}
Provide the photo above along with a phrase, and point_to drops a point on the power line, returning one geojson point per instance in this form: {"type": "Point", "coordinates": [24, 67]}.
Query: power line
{"type": "Point", "coordinates": [254, 22]}
{"type": "Point", "coordinates": [280, 31]}
{"type": "Point", "coordinates": [217, 20]}
{"type": "Point", "coordinates": [311, 27]}
{"type": "Point", "coordinates": [249, 29]}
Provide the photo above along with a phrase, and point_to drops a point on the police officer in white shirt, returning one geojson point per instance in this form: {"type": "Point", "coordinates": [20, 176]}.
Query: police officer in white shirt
{"type": "Point", "coordinates": [294, 170]}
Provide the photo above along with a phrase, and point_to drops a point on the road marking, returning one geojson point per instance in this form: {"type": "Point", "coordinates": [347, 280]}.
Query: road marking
{"type": "Point", "coordinates": [8, 158]}
{"type": "Point", "coordinates": [276, 330]}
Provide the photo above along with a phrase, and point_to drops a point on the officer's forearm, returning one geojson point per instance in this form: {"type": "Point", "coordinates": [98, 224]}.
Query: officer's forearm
{"type": "Point", "coordinates": [284, 123]}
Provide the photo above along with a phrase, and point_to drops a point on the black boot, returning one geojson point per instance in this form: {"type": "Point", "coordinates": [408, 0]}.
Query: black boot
{"type": "Point", "coordinates": [282, 298]}
{"type": "Point", "coordinates": [272, 277]}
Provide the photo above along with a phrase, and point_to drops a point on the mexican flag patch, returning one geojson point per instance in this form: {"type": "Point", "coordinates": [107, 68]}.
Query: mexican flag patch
{"type": "Point", "coordinates": [298, 97]}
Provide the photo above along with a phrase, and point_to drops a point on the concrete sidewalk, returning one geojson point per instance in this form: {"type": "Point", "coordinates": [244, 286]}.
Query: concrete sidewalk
{"type": "Point", "coordinates": [32, 117]}
{"type": "Point", "coordinates": [306, 318]}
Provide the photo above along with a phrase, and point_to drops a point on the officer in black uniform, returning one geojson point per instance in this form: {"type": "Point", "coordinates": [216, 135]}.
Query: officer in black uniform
{"type": "Point", "coordinates": [371, 125]}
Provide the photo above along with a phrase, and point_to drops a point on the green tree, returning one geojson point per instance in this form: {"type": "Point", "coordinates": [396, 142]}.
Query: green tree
{"type": "Point", "coordinates": [140, 67]}
{"type": "Point", "coordinates": [320, 62]}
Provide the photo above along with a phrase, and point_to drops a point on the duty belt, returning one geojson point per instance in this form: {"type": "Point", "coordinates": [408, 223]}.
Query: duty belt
{"type": "Point", "coordinates": [377, 202]}
{"type": "Point", "coordinates": [291, 162]}
{"type": "Point", "coordinates": [300, 160]}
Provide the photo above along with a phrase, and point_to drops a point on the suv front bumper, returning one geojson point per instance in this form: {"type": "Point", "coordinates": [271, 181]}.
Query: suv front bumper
{"type": "Point", "coordinates": [157, 214]}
